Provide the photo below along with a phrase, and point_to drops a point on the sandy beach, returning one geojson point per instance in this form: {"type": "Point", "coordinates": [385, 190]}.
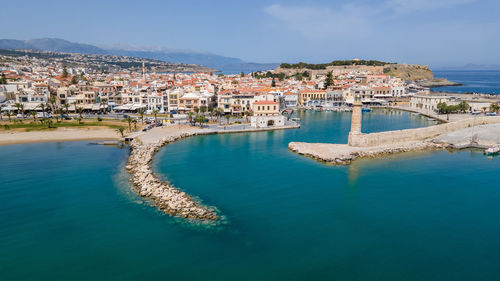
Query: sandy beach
{"type": "Point", "coordinates": [59, 134]}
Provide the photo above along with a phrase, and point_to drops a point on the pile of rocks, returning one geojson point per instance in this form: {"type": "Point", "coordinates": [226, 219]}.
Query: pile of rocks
{"type": "Point", "coordinates": [166, 197]}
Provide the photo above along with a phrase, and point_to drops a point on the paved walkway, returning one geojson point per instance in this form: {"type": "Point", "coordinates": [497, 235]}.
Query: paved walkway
{"type": "Point", "coordinates": [484, 135]}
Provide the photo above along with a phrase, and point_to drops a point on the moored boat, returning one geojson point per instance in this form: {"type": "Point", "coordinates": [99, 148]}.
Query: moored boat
{"type": "Point", "coordinates": [492, 150]}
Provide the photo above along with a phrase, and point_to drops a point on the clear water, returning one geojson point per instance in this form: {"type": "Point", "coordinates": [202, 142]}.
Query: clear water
{"type": "Point", "coordinates": [479, 81]}
{"type": "Point", "coordinates": [66, 211]}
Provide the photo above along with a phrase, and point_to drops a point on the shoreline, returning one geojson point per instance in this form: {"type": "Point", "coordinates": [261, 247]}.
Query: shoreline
{"type": "Point", "coordinates": [59, 135]}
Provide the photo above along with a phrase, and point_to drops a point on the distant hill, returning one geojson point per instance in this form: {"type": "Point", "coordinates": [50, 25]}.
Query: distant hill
{"type": "Point", "coordinates": [224, 64]}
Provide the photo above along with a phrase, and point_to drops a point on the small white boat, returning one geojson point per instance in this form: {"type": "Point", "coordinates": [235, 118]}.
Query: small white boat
{"type": "Point", "coordinates": [296, 119]}
{"type": "Point", "coordinates": [492, 150]}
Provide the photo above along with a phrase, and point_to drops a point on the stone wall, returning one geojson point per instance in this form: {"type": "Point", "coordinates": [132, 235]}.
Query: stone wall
{"type": "Point", "coordinates": [390, 137]}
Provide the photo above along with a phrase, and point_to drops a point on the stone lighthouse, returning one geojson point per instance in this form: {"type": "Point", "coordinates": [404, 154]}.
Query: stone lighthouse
{"type": "Point", "coordinates": [355, 121]}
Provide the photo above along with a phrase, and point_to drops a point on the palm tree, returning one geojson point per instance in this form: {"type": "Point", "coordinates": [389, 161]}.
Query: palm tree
{"type": "Point", "coordinates": [196, 110]}
{"type": "Point", "coordinates": [155, 113]}
{"type": "Point", "coordinates": [219, 112]}
{"type": "Point", "coordinates": [66, 108]}
{"type": "Point", "coordinates": [246, 113]}
{"type": "Point", "coordinates": [141, 112]}
{"type": "Point", "coordinates": [20, 109]}
{"type": "Point", "coordinates": [8, 114]}
{"type": "Point", "coordinates": [135, 124]}
{"type": "Point", "coordinates": [33, 114]}
{"type": "Point", "coordinates": [190, 116]}
{"type": "Point", "coordinates": [211, 112]}
{"type": "Point", "coordinates": [42, 106]}
{"type": "Point", "coordinates": [61, 113]}
{"type": "Point", "coordinates": [200, 119]}
{"type": "Point", "coordinates": [228, 118]}
{"type": "Point", "coordinates": [129, 120]}
{"type": "Point", "coordinates": [121, 131]}
{"type": "Point", "coordinates": [79, 110]}
{"type": "Point", "coordinates": [203, 110]}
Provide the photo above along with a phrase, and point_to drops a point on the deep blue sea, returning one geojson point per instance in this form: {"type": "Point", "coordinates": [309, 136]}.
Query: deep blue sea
{"type": "Point", "coordinates": [68, 213]}
{"type": "Point", "coordinates": [479, 81]}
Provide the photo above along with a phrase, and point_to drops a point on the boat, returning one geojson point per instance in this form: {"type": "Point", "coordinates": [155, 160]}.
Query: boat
{"type": "Point", "coordinates": [492, 150]}
{"type": "Point", "coordinates": [296, 119]}
{"type": "Point", "coordinates": [366, 110]}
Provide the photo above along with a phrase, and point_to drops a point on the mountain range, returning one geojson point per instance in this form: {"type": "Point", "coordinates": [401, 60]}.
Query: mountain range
{"type": "Point", "coordinates": [221, 63]}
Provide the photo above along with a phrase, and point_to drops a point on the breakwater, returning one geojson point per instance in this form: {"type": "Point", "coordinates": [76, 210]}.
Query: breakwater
{"type": "Point", "coordinates": [420, 134]}
{"type": "Point", "coordinates": [343, 154]}
{"type": "Point", "coordinates": [165, 196]}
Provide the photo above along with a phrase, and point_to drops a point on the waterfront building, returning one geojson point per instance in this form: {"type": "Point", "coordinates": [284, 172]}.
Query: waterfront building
{"type": "Point", "coordinates": [266, 114]}
{"type": "Point", "coordinates": [312, 97]}
{"type": "Point", "coordinates": [290, 100]}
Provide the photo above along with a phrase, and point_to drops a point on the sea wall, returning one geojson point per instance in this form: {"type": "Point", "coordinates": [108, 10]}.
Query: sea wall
{"type": "Point", "coordinates": [390, 137]}
{"type": "Point", "coordinates": [166, 197]}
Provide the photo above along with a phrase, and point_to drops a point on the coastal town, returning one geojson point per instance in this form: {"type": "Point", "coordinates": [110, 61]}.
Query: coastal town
{"type": "Point", "coordinates": [42, 88]}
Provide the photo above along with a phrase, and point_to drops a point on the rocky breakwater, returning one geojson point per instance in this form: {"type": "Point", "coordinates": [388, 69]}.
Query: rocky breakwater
{"type": "Point", "coordinates": [343, 154]}
{"type": "Point", "coordinates": [166, 197]}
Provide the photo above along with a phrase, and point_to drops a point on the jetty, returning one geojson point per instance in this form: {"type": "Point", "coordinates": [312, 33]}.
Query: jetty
{"type": "Point", "coordinates": [470, 132]}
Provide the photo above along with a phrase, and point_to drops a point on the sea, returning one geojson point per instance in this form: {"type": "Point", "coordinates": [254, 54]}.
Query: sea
{"type": "Point", "coordinates": [68, 212]}
{"type": "Point", "coordinates": [473, 81]}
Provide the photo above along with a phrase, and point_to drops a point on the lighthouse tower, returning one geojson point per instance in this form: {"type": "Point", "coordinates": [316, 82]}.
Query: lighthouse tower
{"type": "Point", "coordinates": [355, 120]}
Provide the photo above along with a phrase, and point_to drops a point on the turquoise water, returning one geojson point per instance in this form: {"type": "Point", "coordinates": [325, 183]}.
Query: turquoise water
{"type": "Point", "coordinates": [66, 211]}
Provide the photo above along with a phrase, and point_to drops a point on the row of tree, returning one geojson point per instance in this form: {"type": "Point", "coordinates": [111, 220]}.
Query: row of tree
{"type": "Point", "coordinates": [334, 63]}
{"type": "Point", "coordinates": [444, 108]}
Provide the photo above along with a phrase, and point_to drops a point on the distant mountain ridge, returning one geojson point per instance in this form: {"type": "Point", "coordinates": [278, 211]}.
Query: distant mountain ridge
{"type": "Point", "coordinates": [222, 63]}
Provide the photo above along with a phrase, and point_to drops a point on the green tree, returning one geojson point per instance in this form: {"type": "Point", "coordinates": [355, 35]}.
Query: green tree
{"type": "Point", "coordinates": [141, 112]}
{"type": "Point", "coordinates": [228, 119]}
{"type": "Point", "coordinates": [3, 79]}
{"type": "Point", "coordinates": [463, 106]}
{"type": "Point", "coordinates": [155, 113]}
{"type": "Point", "coordinates": [9, 114]}
{"type": "Point", "coordinates": [65, 72]}
{"type": "Point", "coordinates": [42, 106]}
{"type": "Point", "coordinates": [20, 109]}
{"type": "Point", "coordinates": [494, 107]}
{"type": "Point", "coordinates": [190, 117]}
{"type": "Point", "coordinates": [242, 74]}
{"type": "Point", "coordinates": [129, 121]}
{"type": "Point", "coordinates": [273, 83]}
{"type": "Point", "coordinates": [246, 113]}
{"type": "Point", "coordinates": [219, 111]}
{"type": "Point", "coordinates": [66, 108]}
{"type": "Point", "coordinates": [200, 119]}
{"type": "Point", "coordinates": [328, 81]}
{"type": "Point", "coordinates": [74, 80]}
{"type": "Point", "coordinates": [121, 130]}
{"type": "Point", "coordinates": [33, 114]}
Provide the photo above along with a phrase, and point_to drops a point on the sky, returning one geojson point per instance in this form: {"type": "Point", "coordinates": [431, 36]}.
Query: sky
{"type": "Point", "coordinates": [433, 32]}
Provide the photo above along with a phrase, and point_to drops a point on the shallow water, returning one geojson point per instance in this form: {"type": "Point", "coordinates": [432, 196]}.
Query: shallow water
{"type": "Point", "coordinates": [66, 211]}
